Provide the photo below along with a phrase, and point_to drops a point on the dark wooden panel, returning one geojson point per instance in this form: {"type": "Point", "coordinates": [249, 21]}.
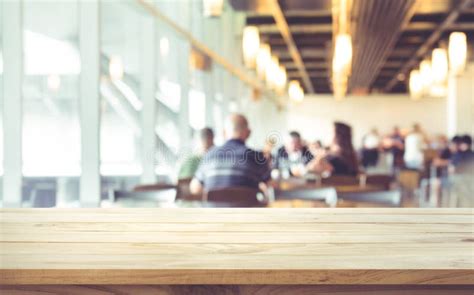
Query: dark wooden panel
{"type": "Point", "coordinates": [377, 27]}
{"type": "Point", "coordinates": [235, 290]}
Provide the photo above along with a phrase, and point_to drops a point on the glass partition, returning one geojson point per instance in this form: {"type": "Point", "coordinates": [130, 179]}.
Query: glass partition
{"type": "Point", "coordinates": [51, 131]}
{"type": "Point", "coordinates": [187, 97]}
{"type": "Point", "coordinates": [122, 61]}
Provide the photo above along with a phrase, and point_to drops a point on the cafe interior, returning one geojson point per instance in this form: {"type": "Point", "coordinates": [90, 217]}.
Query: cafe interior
{"type": "Point", "coordinates": [236, 147]}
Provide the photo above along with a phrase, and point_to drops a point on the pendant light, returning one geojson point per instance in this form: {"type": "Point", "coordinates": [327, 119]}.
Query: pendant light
{"type": "Point", "coordinates": [250, 45]}
{"type": "Point", "coordinates": [457, 50]}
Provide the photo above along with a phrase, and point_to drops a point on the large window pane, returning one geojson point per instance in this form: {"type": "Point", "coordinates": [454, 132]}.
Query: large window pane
{"type": "Point", "coordinates": [121, 68]}
{"type": "Point", "coordinates": [197, 109]}
{"type": "Point", "coordinates": [51, 132]}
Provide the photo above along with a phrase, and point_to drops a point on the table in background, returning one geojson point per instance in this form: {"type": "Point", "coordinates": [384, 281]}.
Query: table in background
{"type": "Point", "coordinates": [296, 184]}
{"type": "Point", "coordinates": [421, 251]}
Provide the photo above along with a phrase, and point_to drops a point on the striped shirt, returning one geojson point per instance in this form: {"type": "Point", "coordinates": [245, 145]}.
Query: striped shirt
{"type": "Point", "coordinates": [233, 165]}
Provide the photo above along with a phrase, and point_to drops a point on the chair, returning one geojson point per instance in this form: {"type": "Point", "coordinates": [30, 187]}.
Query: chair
{"type": "Point", "coordinates": [234, 197]}
{"type": "Point", "coordinates": [326, 194]}
{"type": "Point", "coordinates": [183, 192]}
{"type": "Point", "coordinates": [409, 181]}
{"type": "Point", "coordinates": [43, 195]}
{"type": "Point", "coordinates": [153, 187]}
{"type": "Point", "coordinates": [156, 198]}
{"type": "Point", "coordinates": [381, 180]}
{"type": "Point", "coordinates": [387, 198]}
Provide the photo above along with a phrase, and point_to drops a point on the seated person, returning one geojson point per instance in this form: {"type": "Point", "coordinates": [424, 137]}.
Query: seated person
{"type": "Point", "coordinates": [233, 164]}
{"type": "Point", "coordinates": [190, 164]}
{"type": "Point", "coordinates": [415, 143]}
{"type": "Point", "coordinates": [316, 148]}
{"type": "Point", "coordinates": [370, 149]}
{"type": "Point", "coordinates": [395, 144]}
{"type": "Point", "coordinates": [341, 158]}
{"type": "Point", "coordinates": [294, 155]}
{"type": "Point", "coordinates": [444, 157]}
{"type": "Point", "coordinates": [463, 159]}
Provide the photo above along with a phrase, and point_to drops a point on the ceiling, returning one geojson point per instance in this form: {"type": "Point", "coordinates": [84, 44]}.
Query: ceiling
{"type": "Point", "coordinates": [389, 38]}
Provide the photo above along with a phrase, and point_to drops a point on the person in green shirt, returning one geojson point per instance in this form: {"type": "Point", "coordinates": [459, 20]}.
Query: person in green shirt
{"type": "Point", "coordinates": [190, 164]}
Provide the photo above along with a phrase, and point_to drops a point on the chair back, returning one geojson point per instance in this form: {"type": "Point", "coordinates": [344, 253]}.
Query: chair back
{"type": "Point", "coordinates": [409, 179]}
{"type": "Point", "coordinates": [335, 180]}
{"type": "Point", "coordinates": [233, 197]}
{"type": "Point", "coordinates": [183, 192]}
{"type": "Point", "coordinates": [43, 196]}
{"type": "Point", "coordinates": [326, 194]}
{"type": "Point", "coordinates": [382, 180]}
{"type": "Point", "coordinates": [387, 198]}
{"type": "Point", "coordinates": [156, 198]}
{"type": "Point", "coordinates": [153, 187]}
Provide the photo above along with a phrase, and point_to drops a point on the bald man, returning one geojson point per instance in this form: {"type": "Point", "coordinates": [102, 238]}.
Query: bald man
{"type": "Point", "coordinates": [232, 164]}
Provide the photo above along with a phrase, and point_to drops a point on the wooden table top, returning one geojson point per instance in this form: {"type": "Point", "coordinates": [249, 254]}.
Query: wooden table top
{"type": "Point", "coordinates": [237, 246]}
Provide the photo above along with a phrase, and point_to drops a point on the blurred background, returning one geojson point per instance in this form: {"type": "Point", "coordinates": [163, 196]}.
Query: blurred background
{"type": "Point", "coordinates": [99, 97]}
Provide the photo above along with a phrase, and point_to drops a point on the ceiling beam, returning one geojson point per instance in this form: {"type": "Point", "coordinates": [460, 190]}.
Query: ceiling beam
{"type": "Point", "coordinates": [307, 13]}
{"type": "Point", "coordinates": [432, 39]}
{"type": "Point", "coordinates": [293, 13]}
{"type": "Point", "coordinates": [429, 26]}
{"type": "Point", "coordinates": [312, 74]}
{"type": "Point", "coordinates": [375, 34]}
{"type": "Point", "coordinates": [272, 29]}
{"type": "Point", "coordinates": [308, 65]}
{"type": "Point", "coordinates": [297, 29]}
{"type": "Point", "coordinates": [303, 53]}
{"type": "Point", "coordinates": [392, 64]}
{"type": "Point", "coordinates": [293, 50]}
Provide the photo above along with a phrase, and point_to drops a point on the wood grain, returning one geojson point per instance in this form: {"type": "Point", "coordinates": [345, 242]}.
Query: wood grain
{"type": "Point", "coordinates": [237, 246]}
{"type": "Point", "coordinates": [234, 290]}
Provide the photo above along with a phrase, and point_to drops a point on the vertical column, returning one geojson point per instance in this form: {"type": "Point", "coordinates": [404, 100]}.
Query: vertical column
{"type": "Point", "coordinates": [183, 76]}
{"type": "Point", "coordinates": [148, 113]}
{"type": "Point", "coordinates": [89, 45]}
{"type": "Point", "coordinates": [227, 32]}
{"type": "Point", "coordinates": [12, 96]}
{"type": "Point", "coordinates": [460, 103]}
{"type": "Point", "coordinates": [209, 36]}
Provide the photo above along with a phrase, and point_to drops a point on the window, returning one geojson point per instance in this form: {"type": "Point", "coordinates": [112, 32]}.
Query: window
{"type": "Point", "coordinates": [51, 131]}
{"type": "Point", "coordinates": [197, 109]}
{"type": "Point", "coordinates": [121, 68]}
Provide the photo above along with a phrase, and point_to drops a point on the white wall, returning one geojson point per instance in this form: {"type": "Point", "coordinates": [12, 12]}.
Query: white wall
{"type": "Point", "coordinates": [264, 118]}
{"type": "Point", "coordinates": [460, 103]}
{"type": "Point", "coordinates": [315, 115]}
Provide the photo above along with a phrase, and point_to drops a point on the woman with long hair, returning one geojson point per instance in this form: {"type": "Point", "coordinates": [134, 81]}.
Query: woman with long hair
{"type": "Point", "coordinates": [341, 158]}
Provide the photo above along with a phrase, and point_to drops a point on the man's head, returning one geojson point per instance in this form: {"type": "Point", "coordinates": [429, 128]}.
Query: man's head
{"type": "Point", "coordinates": [416, 128]}
{"type": "Point", "coordinates": [236, 127]}
{"type": "Point", "coordinates": [454, 144]}
{"type": "Point", "coordinates": [293, 142]}
{"type": "Point", "coordinates": [465, 143]}
{"type": "Point", "coordinates": [206, 136]}
{"type": "Point", "coordinates": [396, 131]}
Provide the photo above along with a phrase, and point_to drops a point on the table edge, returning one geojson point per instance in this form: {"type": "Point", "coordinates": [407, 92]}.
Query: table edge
{"type": "Point", "coordinates": [237, 277]}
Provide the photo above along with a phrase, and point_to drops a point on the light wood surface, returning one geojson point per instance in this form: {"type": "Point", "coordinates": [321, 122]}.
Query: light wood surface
{"type": "Point", "coordinates": [234, 290]}
{"type": "Point", "coordinates": [237, 246]}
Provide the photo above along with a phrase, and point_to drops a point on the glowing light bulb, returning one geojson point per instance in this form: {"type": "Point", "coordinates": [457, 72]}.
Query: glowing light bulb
{"type": "Point", "coordinates": [415, 85]}
{"type": "Point", "coordinates": [54, 82]}
{"type": "Point", "coordinates": [439, 65]}
{"type": "Point", "coordinates": [264, 58]}
{"type": "Point", "coordinates": [116, 67]}
{"type": "Point", "coordinates": [250, 45]}
{"type": "Point", "coordinates": [457, 51]}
